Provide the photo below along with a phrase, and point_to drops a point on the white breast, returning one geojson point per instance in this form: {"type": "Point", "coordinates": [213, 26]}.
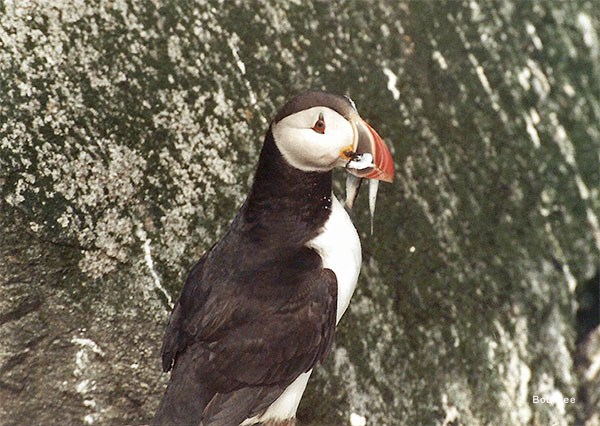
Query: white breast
{"type": "Point", "coordinates": [339, 247]}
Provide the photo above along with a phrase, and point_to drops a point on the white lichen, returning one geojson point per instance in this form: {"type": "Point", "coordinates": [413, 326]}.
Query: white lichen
{"type": "Point", "coordinates": [83, 372]}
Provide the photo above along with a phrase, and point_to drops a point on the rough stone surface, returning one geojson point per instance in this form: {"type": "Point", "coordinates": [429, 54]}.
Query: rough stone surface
{"type": "Point", "coordinates": [587, 362]}
{"type": "Point", "coordinates": [129, 131]}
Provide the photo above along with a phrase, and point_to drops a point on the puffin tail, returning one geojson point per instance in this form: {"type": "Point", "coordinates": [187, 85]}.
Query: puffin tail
{"type": "Point", "coordinates": [184, 401]}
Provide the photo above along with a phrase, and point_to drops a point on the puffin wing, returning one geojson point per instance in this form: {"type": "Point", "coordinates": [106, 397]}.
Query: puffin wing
{"type": "Point", "coordinates": [247, 338]}
{"type": "Point", "coordinates": [255, 362]}
{"type": "Point", "coordinates": [174, 340]}
{"type": "Point", "coordinates": [282, 343]}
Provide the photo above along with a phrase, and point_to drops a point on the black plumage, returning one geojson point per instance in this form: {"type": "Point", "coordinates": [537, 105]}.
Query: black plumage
{"type": "Point", "coordinates": [258, 309]}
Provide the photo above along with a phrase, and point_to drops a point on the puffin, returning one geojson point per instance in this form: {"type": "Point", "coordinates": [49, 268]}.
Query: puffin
{"type": "Point", "coordinates": [258, 311]}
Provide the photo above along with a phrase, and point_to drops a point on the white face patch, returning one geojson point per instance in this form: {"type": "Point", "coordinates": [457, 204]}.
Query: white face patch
{"type": "Point", "coordinates": [308, 149]}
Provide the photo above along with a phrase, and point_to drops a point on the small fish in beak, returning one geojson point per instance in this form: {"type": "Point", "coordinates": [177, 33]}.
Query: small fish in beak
{"type": "Point", "coordinates": [373, 186]}
{"type": "Point", "coordinates": [361, 161]}
{"type": "Point", "coordinates": [353, 184]}
{"type": "Point", "coordinates": [372, 160]}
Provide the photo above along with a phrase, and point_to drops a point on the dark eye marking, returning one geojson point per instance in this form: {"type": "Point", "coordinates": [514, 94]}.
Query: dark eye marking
{"type": "Point", "coordinates": [319, 126]}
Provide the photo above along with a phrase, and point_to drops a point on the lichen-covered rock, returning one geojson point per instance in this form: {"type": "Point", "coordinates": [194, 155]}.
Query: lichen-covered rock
{"type": "Point", "coordinates": [587, 362]}
{"type": "Point", "coordinates": [128, 136]}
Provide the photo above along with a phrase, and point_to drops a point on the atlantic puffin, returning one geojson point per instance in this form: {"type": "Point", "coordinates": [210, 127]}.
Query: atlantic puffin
{"type": "Point", "coordinates": [258, 311]}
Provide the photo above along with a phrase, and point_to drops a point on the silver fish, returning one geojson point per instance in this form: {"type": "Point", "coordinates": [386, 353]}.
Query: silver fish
{"type": "Point", "coordinates": [373, 187]}
{"type": "Point", "coordinates": [353, 184]}
{"type": "Point", "coordinates": [371, 159]}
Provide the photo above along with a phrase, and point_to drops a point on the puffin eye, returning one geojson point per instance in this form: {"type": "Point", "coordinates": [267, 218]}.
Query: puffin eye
{"type": "Point", "coordinates": [319, 126]}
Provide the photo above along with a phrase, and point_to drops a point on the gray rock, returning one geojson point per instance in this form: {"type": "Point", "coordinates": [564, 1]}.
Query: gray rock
{"type": "Point", "coordinates": [587, 364]}
{"type": "Point", "coordinates": [129, 132]}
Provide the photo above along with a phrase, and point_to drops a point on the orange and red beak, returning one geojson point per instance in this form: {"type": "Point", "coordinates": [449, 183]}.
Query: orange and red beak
{"type": "Point", "coordinates": [366, 140]}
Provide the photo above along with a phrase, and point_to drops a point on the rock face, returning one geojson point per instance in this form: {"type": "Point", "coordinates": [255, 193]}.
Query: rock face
{"type": "Point", "coordinates": [129, 132]}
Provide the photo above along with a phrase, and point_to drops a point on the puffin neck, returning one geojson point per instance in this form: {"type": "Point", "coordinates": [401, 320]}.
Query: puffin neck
{"type": "Point", "coordinates": [285, 201]}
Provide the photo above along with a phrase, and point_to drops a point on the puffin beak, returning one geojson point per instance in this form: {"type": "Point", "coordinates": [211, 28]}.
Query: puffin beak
{"type": "Point", "coordinates": [371, 158]}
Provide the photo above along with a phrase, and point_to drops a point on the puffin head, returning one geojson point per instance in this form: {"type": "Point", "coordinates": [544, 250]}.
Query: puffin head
{"type": "Point", "coordinates": [317, 131]}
